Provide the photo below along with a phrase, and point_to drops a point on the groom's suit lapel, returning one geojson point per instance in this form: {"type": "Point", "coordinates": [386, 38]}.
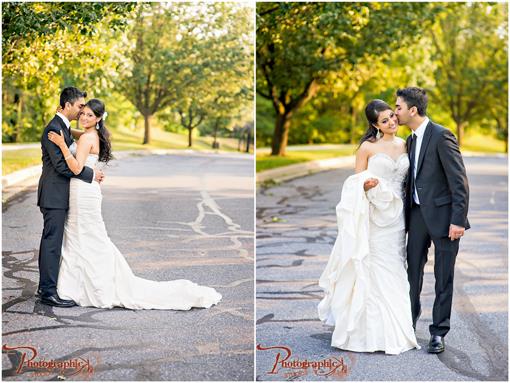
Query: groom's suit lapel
{"type": "Point", "coordinates": [64, 128]}
{"type": "Point", "coordinates": [424, 144]}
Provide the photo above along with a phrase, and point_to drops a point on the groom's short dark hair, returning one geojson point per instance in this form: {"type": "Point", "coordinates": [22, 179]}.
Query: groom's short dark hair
{"type": "Point", "coordinates": [414, 96]}
{"type": "Point", "coordinates": [71, 94]}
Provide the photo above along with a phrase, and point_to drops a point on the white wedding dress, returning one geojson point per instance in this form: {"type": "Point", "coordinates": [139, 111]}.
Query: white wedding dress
{"type": "Point", "coordinates": [93, 272]}
{"type": "Point", "coordinates": [365, 280]}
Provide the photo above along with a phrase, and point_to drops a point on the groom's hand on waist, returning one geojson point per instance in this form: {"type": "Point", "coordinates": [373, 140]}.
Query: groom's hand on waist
{"type": "Point", "coordinates": [455, 232]}
{"type": "Point", "coordinates": [98, 175]}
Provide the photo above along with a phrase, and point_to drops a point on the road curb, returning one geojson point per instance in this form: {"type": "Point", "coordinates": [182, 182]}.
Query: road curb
{"type": "Point", "coordinates": [286, 173]}
{"type": "Point", "coordinates": [20, 176]}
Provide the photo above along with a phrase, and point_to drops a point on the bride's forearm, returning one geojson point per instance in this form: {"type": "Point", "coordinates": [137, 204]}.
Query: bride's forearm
{"type": "Point", "coordinates": [76, 133]}
{"type": "Point", "coordinates": [72, 162]}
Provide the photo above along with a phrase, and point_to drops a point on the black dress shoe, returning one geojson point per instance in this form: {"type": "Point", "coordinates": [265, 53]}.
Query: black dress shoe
{"type": "Point", "coordinates": [436, 344]}
{"type": "Point", "coordinates": [55, 300]}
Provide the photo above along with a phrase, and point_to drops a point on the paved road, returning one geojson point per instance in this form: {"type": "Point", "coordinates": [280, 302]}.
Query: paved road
{"type": "Point", "coordinates": [172, 216]}
{"type": "Point", "coordinates": [11, 147]}
{"type": "Point", "coordinates": [296, 228]}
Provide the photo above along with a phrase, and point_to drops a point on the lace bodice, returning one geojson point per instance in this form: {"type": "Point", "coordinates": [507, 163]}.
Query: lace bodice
{"type": "Point", "coordinates": [73, 147]}
{"type": "Point", "coordinates": [392, 171]}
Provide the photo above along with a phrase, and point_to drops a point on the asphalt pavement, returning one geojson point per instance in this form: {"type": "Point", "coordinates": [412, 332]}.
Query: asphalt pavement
{"type": "Point", "coordinates": [172, 216]}
{"type": "Point", "coordinates": [296, 229]}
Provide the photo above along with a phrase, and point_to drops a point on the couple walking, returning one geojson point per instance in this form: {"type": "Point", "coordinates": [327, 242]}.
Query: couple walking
{"type": "Point", "coordinates": [78, 263]}
{"type": "Point", "coordinates": [373, 278]}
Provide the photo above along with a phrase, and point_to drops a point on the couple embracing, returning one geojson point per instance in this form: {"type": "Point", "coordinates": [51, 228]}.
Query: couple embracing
{"type": "Point", "coordinates": [374, 278]}
{"type": "Point", "coordinates": [78, 263]}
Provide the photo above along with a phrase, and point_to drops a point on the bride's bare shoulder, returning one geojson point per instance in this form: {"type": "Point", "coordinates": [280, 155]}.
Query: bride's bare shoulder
{"type": "Point", "coordinates": [88, 139]}
{"type": "Point", "coordinates": [88, 136]}
{"type": "Point", "coordinates": [402, 143]}
{"type": "Point", "coordinates": [366, 147]}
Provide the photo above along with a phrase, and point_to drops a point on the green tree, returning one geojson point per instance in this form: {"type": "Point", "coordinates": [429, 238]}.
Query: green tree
{"type": "Point", "coordinates": [176, 48]}
{"type": "Point", "coordinates": [47, 46]}
{"type": "Point", "coordinates": [470, 49]}
{"type": "Point", "coordinates": [299, 44]}
{"type": "Point", "coordinates": [191, 115]}
{"type": "Point", "coordinates": [24, 22]}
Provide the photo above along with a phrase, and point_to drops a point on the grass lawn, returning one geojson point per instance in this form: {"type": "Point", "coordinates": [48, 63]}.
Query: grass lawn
{"type": "Point", "coordinates": [125, 139]}
{"type": "Point", "coordinates": [122, 139]}
{"type": "Point", "coordinates": [14, 160]}
{"type": "Point", "coordinates": [473, 142]}
{"type": "Point", "coordinates": [265, 161]}
{"type": "Point", "coordinates": [477, 142]}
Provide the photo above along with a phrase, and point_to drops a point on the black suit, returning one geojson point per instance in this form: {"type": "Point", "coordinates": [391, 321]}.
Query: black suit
{"type": "Point", "coordinates": [443, 192]}
{"type": "Point", "coordinates": [53, 200]}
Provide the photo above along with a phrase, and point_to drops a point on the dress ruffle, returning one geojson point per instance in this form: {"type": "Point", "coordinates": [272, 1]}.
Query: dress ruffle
{"type": "Point", "coordinates": [360, 297]}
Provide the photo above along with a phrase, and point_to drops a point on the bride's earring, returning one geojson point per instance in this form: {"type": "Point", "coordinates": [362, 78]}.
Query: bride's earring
{"type": "Point", "coordinates": [378, 135]}
{"type": "Point", "coordinates": [97, 126]}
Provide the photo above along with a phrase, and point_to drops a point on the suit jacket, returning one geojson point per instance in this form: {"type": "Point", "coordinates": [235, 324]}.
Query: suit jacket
{"type": "Point", "coordinates": [53, 190]}
{"type": "Point", "coordinates": [441, 182]}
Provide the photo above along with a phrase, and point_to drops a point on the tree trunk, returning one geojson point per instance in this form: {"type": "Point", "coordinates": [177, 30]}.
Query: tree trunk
{"type": "Point", "coordinates": [281, 134]}
{"type": "Point", "coordinates": [353, 125]}
{"type": "Point", "coordinates": [500, 130]}
{"type": "Point", "coordinates": [460, 132]}
{"type": "Point", "coordinates": [248, 141]}
{"type": "Point", "coordinates": [284, 113]}
{"type": "Point", "coordinates": [19, 127]}
{"type": "Point", "coordinates": [147, 131]}
{"type": "Point", "coordinates": [239, 142]}
{"type": "Point", "coordinates": [216, 123]}
{"type": "Point", "coordinates": [190, 142]}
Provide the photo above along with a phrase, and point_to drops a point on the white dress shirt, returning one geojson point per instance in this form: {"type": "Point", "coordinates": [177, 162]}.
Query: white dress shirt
{"type": "Point", "coordinates": [420, 132]}
{"type": "Point", "coordinates": [64, 118]}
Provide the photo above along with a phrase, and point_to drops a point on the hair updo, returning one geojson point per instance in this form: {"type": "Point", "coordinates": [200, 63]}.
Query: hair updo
{"type": "Point", "coordinates": [372, 111]}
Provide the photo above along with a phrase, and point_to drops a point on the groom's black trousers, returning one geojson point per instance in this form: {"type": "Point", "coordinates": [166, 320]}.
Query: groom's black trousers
{"type": "Point", "coordinates": [50, 249]}
{"type": "Point", "coordinates": [418, 243]}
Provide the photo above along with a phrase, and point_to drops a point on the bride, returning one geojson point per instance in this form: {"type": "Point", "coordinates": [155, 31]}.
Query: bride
{"type": "Point", "coordinates": [365, 280]}
{"type": "Point", "coordinates": [93, 272]}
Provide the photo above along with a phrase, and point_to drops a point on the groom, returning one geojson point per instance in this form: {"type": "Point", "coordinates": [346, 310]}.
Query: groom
{"type": "Point", "coordinates": [53, 195]}
{"type": "Point", "coordinates": [436, 206]}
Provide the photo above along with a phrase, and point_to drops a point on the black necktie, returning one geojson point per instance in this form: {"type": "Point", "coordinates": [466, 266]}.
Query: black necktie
{"type": "Point", "coordinates": [412, 154]}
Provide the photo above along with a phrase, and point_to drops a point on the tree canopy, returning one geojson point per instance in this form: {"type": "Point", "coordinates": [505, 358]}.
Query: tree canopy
{"type": "Point", "coordinates": [143, 59]}
{"type": "Point", "coordinates": [318, 64]}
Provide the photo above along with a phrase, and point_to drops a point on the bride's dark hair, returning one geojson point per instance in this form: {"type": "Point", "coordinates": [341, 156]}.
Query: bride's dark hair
{"type": "Point", "coordinates": [372, 111]}
{"type": "Point", "coordinates": [105, 146]}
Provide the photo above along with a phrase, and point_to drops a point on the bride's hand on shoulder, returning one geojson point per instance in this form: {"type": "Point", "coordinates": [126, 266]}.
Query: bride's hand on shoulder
{"type": "Point", "coordinates": [57, 139]}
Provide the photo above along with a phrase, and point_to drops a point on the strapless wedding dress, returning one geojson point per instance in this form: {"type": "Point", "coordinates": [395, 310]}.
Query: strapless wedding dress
{"type": "Point", "coordinates": [367, 290]}
{"type": "Point", "coordinates": [93, 272]}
